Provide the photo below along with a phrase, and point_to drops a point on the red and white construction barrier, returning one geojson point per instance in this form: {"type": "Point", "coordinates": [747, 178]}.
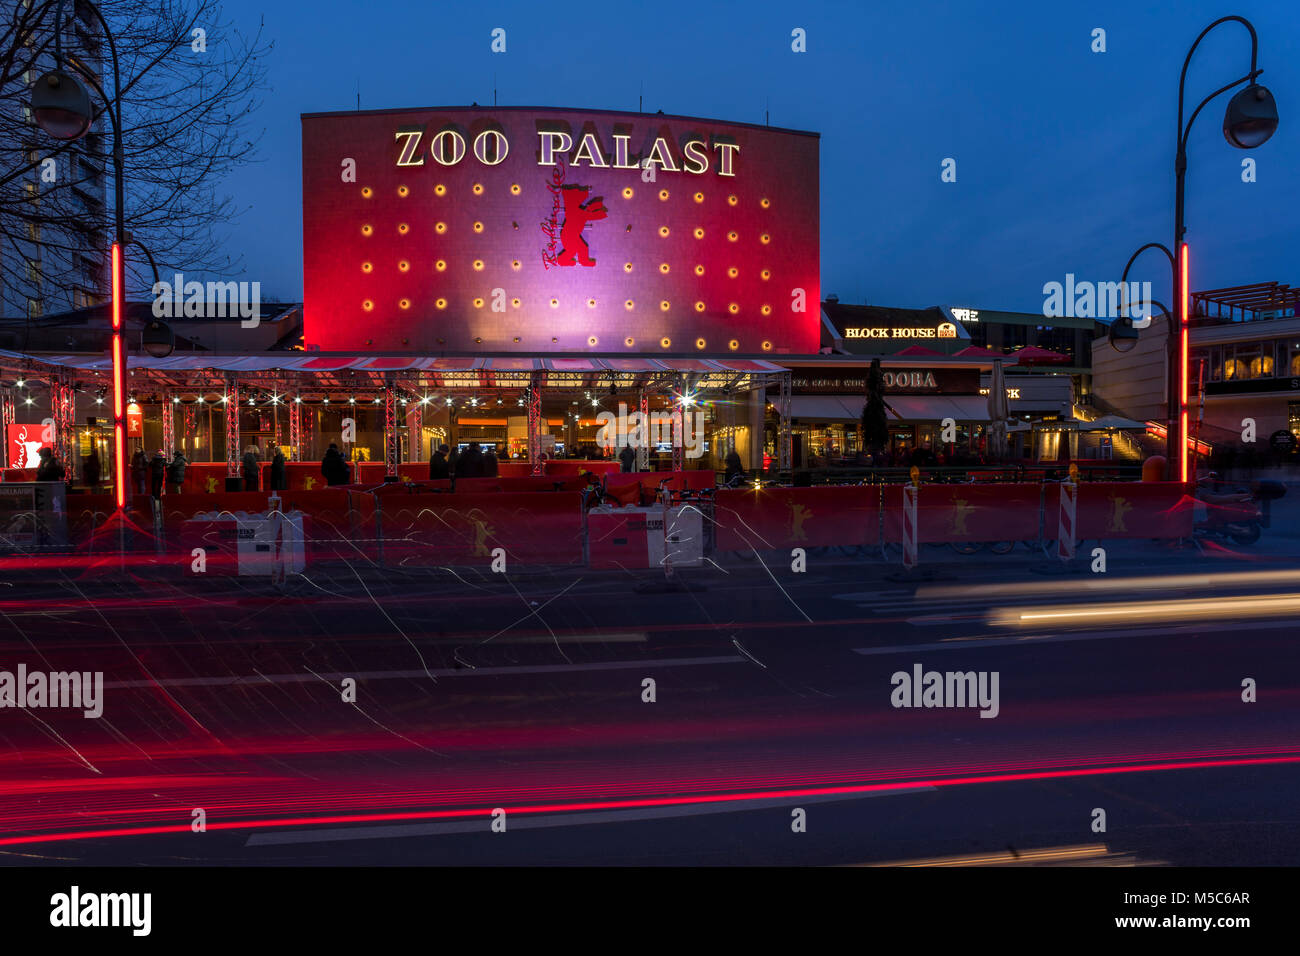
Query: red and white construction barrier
{"type": "Point", "coordinates": [909, 525]}
{"type": "Point", "coordinates": [1067, 526]}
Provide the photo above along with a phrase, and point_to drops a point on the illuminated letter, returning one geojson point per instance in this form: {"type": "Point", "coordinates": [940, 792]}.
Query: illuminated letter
{"type": "Point", "coordinates": [696, 154]}
{"type": "Point", "coordinates": [664, 158]}
{"type": "Point", "coordinates": [621, 160]}
{"type": "Point", "coordinates": [500, 150]}
{"type": "Point", "coordinates": [409, 147]}
{"type": "Point", "coordinates": [546, 154]}
{"type": "Point", "coordinates": [440, 151]}
{"type": "Point", "coordinates": [725, 157]}
{"type": "Point", "coordinates": [590, 149]}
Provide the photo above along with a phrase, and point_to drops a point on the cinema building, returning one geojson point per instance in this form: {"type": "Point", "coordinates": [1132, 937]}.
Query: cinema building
{"type": "Point", "coordinates": [523, 277]}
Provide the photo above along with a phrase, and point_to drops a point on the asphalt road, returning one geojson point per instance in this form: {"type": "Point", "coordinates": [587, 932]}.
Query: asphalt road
{"type": "Point", "coordinates": [1120, 692]}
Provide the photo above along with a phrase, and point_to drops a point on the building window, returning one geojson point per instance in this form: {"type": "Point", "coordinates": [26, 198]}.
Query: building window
{"type": "Point", "coordinates": [33, 271]}
{"type": "Point", "coordinates": [34, 231]}
{"type": "Point", "coordinates": [81, 299]}
{"type": "Point", "coordinates": [34, 308]}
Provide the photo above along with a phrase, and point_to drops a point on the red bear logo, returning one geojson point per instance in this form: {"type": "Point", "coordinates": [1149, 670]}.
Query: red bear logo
{"type": "Point", "coordinates": [578, 211]}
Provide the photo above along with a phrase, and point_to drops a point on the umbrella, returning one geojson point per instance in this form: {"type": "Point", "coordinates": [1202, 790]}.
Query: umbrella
{"type": "Point", "coordinates": [1107, 422]}
{"type": "Point", "coordinates": [979, 352]}
{"type": "Point", "coordinates": [918, 350]}
{"type": "Point", "coordinates": [999, 412]}
{"type": "Point", "coordinates": [1033, 355]}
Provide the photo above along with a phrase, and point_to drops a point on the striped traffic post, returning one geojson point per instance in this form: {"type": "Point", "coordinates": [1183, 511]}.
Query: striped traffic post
{"type": "Point", "coordinates": [1067, 526]}
{"type": "Point", "coordinates": [909, 519]}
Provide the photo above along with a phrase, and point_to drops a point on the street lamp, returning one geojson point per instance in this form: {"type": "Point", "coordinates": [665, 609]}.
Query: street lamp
{"type": "Point", "coordinates": [1249, 120]}
{"type": "Point", "coordinates": [61, 106]}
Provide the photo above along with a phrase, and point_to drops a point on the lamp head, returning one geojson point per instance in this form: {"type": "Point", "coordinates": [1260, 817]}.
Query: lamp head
{"type": "Point", "coordinates": [1251, 117]}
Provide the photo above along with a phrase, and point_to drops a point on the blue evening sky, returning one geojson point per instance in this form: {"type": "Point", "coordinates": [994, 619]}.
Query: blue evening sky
{"type": "Point", "coordinates": [1064, 156]}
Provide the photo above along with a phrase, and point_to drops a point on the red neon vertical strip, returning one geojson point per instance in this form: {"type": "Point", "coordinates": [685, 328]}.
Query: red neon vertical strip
{"type": "Point", "coordinates": [1183, 361]}
{"type": "Point", "coordinates": [119, 382]}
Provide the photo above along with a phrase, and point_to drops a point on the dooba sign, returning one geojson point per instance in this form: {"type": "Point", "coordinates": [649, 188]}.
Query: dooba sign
{"type": "Point", "coordinates": [550, 230]}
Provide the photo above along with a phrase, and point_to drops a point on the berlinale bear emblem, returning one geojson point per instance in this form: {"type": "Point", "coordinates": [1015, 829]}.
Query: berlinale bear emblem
{"type": "Point", "coordinates": [578, 211]}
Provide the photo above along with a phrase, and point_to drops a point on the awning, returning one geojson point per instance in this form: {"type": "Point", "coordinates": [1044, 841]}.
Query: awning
{"type": "Point", "coordinates": [910, 408]}
{"type": "Point", "coordinates": [934, 408]}
{"type": "Point", "coordinates": [825, 408]}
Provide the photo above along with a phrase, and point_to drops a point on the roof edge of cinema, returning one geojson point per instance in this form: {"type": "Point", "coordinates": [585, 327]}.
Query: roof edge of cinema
{"type": "Point", "coordinates": [558, 109]}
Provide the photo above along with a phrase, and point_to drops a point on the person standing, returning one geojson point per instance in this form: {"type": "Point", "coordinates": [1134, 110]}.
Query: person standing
{"type": "Point", "coordinates": [176, 473]}
{"type": "Point", "coordinates": [734, 467]}
{"type": "Point", "coordinates": [470, 464]}
{"type": "Point", "coordinates": [333, 466]}
{"type": "Point", "coordinates": [279, 481]}
{"type": "Point", "coordinates": [157, 472]}
{"type": "Point", "coordinates": [438, 464]}
{"type": "Point", "coordinates": [139, 470]}
{"type": "Point", "coordinates": [250, 468]}
{"type": "Point", "coordinates": [627, 459]}
{"type": "Point", "coordinates": [90, 469]}
{"type": "Point", "coordinates": [490, 463]}
{"type": "Point", "coordinates": [49, 468]}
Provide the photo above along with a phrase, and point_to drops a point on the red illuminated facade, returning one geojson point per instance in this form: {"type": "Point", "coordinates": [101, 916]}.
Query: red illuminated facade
{"type": "Point", "coordinates": [539, 230]}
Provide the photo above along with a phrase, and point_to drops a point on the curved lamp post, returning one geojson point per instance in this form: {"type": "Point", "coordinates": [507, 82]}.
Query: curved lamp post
{"type": "Point", "coordinates": [61, 106]}
{"type": "Point", "coordinates": [1249, 120]}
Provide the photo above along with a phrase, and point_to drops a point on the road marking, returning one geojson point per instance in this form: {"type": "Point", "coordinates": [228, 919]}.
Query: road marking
{"type": "Point", "coordinates": [644, 664]}
{"type": "Point", "coordinates": [525, 822]}
{"type": "Point", "coordinates": [967, 643]}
